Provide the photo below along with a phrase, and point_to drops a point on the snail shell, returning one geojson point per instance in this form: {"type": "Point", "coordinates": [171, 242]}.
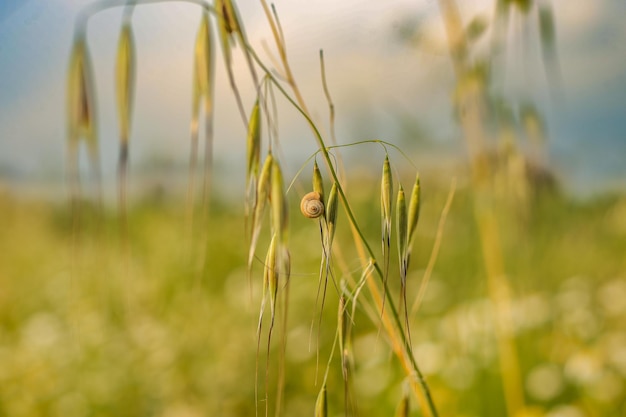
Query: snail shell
{"type": "Point", "coordinates": [312, 205]}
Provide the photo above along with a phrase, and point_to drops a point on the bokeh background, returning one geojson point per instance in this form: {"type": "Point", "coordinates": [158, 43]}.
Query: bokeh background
{"type": "Point", "coordinates": [86, 330]}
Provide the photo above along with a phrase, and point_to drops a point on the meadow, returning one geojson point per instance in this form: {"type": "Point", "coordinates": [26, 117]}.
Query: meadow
{"type": "Point", "coordinates": [86, 332]}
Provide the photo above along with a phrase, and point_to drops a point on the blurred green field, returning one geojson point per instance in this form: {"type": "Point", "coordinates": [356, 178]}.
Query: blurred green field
{"type": "Point", "coordinates": [82, 333]}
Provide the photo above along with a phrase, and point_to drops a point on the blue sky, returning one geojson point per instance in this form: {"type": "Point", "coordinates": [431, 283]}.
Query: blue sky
{"type": "Point", "coordinates": [370, 74]}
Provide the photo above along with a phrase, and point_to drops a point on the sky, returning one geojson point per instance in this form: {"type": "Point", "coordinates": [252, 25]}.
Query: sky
{"type": "Point", "coordinates": [382, 88]}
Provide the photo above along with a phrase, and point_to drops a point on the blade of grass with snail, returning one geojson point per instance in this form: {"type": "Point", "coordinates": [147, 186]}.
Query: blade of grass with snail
{"type": "Point", "coordinates": [312, 206]}
{"type": "Point", "coordinates": [402, 232]}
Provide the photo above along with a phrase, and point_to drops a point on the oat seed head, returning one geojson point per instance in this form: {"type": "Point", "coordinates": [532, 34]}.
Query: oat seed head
{"type": "Point", "coordinates": [318, 183]}
{"type": "Point", "coordinates": [80, 94]}
{"type": "Point", "coordinates": [386, 191]}
{"type": "Point", "coordinates": [279, 204]}
{"type": "Point", "coordinates": [125, 79]}
{"type": "Point", "coordinates": [401, 224]}
{"type": "Point", "coordinates": [254, 143]}
{"type": "Point", "coordinates": [331, 212]}
{"type": "Point", "coordinates": [414, 210]}
{"type": "Point", "coordinates": [262, 192]}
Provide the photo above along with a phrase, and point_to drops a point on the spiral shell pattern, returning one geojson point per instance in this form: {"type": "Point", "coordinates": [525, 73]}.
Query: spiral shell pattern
{"type": "Point", "coordinates": [312, 205]}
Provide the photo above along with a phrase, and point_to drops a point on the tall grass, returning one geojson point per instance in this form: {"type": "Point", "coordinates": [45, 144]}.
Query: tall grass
{"type": "Point", "coordinates": [265, 188]}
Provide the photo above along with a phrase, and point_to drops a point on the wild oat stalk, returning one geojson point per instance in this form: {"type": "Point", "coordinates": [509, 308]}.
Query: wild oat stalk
{"type": "Point", "coordinates": [125, 91]}
{"type": "Point", "coordinates": [203, 91]}
{"type": "Point", "coordinates": [386, 191]}
{"type": "Point", "coordinates": [81, 121]}
{"type": "Point", "coordinates": [403, 256]}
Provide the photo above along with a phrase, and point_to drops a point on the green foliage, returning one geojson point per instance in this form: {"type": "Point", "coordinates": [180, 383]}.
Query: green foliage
{"type": "Point", "coordinates": [157, 341]}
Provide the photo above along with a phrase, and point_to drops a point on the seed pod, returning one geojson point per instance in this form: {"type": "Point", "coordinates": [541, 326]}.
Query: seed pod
{"type": "Point", "coordinates": [203, 54]}
{"type": "Point", "coordinates": [385, 205]}
{"type": "Point", "coordinates": [312, 205]}
{"type": "Point", "coordinates": [279, 205]}
{"type": "Point", "coordinates": [270, 274]}
{"type": "Point", "coordinates": [401, 225]}
{"type": "Point", "coordinates": [80, 94]}
{"type": "Point", "coordinates": [318, 183]}
{"type": "Point", "coordinates": [224, 30]}
{"type": "Point", "coordinates": [386, 191]}
{"type": "Point", "coordinates": [414, 209]}
{"type": "Point", "coordinates": [263, 191]}
{"type": "Point", "coordinates": [230, 17]}
{"type": "Point", "coordinates": [254, 142]}
{"type": "Point", "coordinates": [81, 112]}
{"type": "Point", "coordinates": [125, 79]}
{"type": "Point", "coordinates": [331, 215]}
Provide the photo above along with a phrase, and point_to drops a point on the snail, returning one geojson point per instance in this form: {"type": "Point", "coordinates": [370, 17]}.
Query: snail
{"type": "Point", "coordinates": [312, 205]}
